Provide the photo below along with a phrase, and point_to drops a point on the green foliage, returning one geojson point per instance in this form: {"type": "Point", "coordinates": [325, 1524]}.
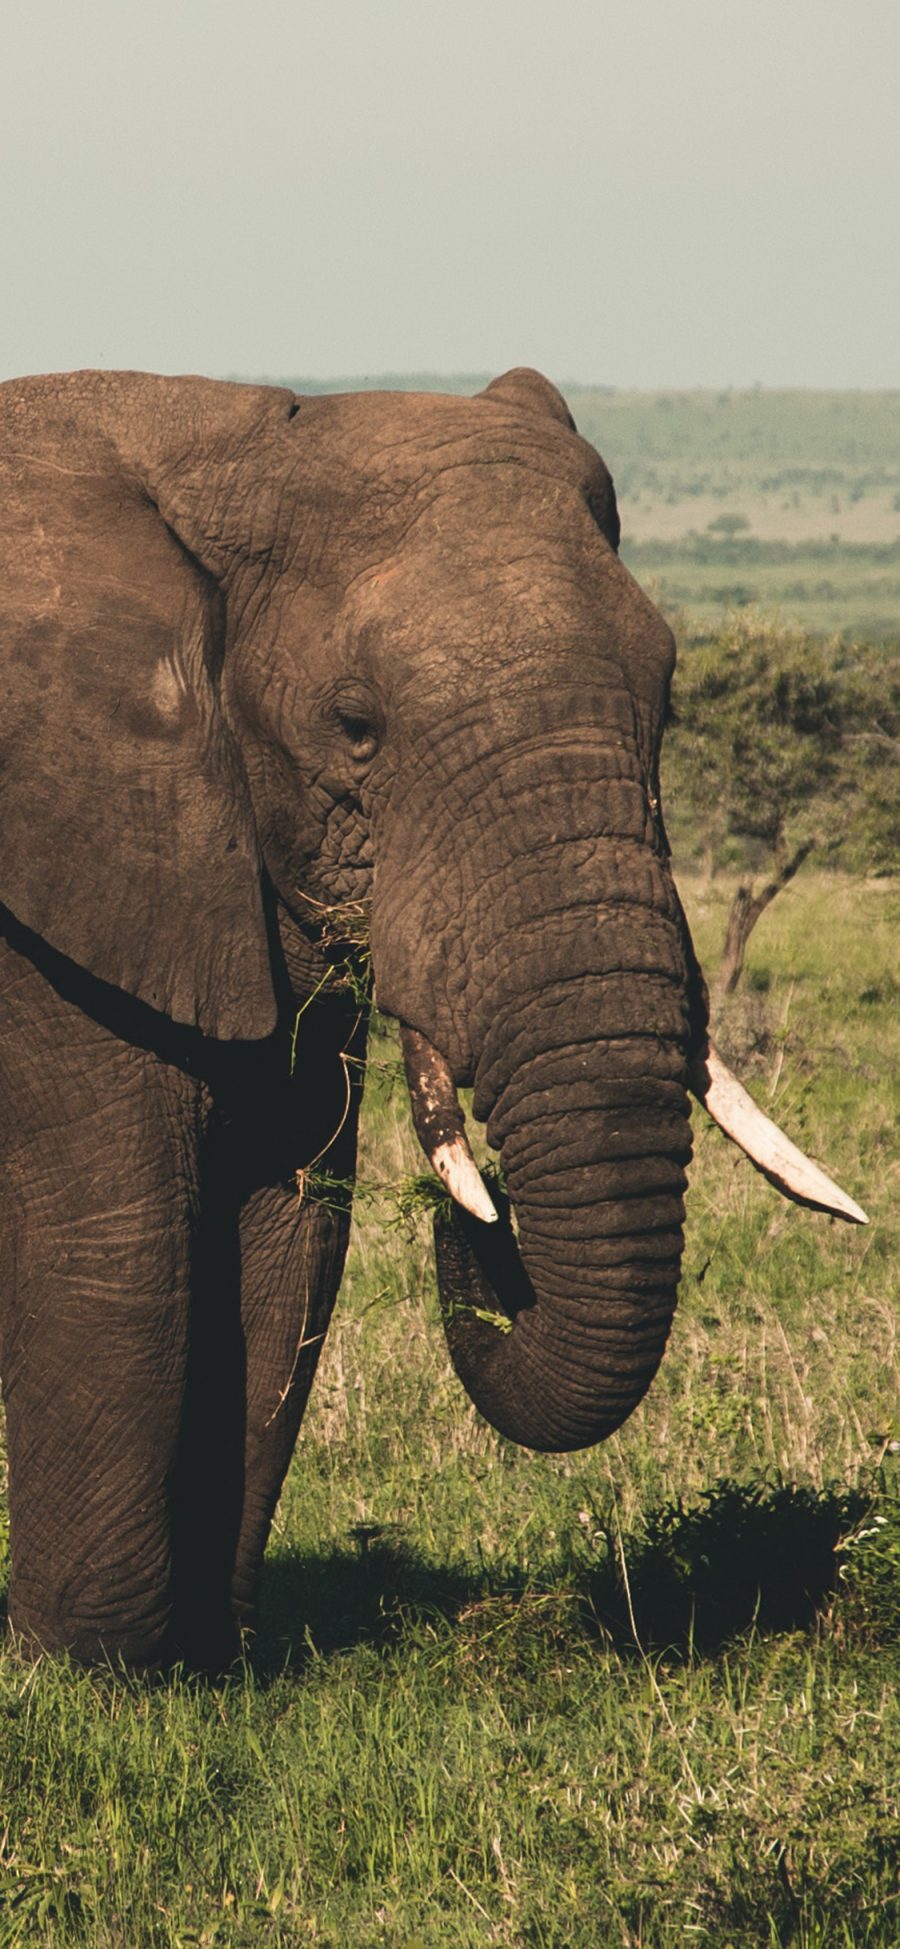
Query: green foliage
{"type": "Point", "coordinates": [753, 731]}
{"type": "Point", "coordinates": [778, 740]}
{"type": "Point", "coordinates": [765, 1553]}
{"type": "Point", "coordinates": [869, 681]}
{"type": "Point", "coordinates": [422, 1192]}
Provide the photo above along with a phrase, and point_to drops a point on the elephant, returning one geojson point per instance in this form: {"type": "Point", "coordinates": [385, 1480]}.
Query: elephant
{"type": "Point", "coordinates": [282, 671]}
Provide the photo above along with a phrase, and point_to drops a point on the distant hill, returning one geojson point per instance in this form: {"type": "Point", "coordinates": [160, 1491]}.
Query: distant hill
{"type": "Point", "coordinates": [415, 382]}
{"type": "Point", "coordinates": [398, 382]}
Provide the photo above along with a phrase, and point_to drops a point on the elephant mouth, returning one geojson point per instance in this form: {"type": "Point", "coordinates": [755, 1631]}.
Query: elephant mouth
{"type": "Point", "coordinates": [439, 1124]}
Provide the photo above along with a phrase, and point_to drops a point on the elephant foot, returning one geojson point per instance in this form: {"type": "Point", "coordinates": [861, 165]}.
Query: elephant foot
{"type": "Point", "coordinates": [205, 1643]}
{"type": "Point", "coordinates": [143, 1652]}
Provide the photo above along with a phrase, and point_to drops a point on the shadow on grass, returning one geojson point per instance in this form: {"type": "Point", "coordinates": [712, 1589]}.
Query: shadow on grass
{"type": "Point", "coordinates": [763, 1556]}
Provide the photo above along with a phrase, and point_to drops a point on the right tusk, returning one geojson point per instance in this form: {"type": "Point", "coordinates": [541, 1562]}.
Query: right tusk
{"type": "Point", "coordinates": [735, 1112]}
{"type": "Point", "coordinates": [440, 1125]}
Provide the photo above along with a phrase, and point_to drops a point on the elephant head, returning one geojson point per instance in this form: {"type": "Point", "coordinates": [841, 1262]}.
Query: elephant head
{"type": "Point", "coordinates": [380, 650]}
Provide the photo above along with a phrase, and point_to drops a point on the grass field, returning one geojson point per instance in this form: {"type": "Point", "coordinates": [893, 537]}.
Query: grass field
{"type": "Point", "coordinates": [642, 1696]}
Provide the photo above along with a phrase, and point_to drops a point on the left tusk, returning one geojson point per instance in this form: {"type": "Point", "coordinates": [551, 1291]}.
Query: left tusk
{"type": "Point", "coordinates": [440, 1124]}
{"type": "Point", "coordinates": [456, 1165]}
{"type": "Point", "coordinates": [735, 1112]}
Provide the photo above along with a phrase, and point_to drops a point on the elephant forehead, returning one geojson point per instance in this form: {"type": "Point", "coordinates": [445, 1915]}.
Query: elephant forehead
{"type": "Point", "coordinates": [394, 452]}
{"type": "Point", "coordinates": [397, 433]}
{"type": "Point", "coordinates": [476, 528]}
{"type": "Point", "coordinates": [531, 595]}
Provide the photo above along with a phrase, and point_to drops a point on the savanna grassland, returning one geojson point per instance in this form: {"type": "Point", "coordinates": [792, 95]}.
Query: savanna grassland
{"type": "Point", "coordinates": [780, 499]}
{"type": "Point", "coordinates": [639, 1696]}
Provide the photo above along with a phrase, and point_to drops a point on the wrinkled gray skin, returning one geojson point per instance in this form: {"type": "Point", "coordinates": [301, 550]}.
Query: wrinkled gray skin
{"type": "Point", "coordinates": [267, 656]}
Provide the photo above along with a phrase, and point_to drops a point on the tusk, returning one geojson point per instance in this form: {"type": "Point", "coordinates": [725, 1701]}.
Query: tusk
{"type": "Point", "coordinates": [440, 1125]}
{"type": "Point", "coordinates": [735, 1112]}
{"type": "Point", "coordinates": [456, 1165]}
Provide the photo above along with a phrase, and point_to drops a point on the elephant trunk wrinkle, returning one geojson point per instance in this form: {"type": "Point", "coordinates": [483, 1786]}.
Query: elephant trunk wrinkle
{"type": "Point", "coordinates": [557, 869]}
{"type": "Point", "coordinates": [577, 1047]}
{"type": "Point", "coordinates": [557, 1333]}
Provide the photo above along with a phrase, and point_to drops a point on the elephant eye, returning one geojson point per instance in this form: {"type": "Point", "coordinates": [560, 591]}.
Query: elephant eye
{"type": "Point", "coordinates": [361, 735]}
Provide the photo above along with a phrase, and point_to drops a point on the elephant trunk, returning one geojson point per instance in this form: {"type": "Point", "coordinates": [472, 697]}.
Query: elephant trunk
{"type": "Point", "coordinates": [556, 1334]}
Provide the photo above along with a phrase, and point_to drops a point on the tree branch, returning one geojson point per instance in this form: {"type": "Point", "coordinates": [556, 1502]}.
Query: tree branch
{"type": "Point", "coordinates": [746, 908]}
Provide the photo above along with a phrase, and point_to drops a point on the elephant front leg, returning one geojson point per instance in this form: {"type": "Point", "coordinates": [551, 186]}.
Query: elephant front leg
{"type": "Point", "coordinates": [294, 1232]}
{"type": "Point", "coordinates": [92, 1395]}
{"type": "Point", "coordinates": [264, 1289]}
{"type": "Point", "coordinates": [98, 1220]}
{"type": "Point", "coordinates": [292, 1251]}
{"type": "Point", "coordinates": [276, 1188]}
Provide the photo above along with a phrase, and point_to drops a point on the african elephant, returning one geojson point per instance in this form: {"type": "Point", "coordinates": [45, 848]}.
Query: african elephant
{"type": "Point", "coordinates": [272, 661]}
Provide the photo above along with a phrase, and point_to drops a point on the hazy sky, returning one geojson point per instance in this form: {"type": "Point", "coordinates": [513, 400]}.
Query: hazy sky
{"type": "Point", "coordinates": [660, 192]}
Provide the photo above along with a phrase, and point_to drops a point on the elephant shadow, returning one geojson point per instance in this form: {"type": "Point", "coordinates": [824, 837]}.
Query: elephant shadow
{"type": "Point", "coordinates": [760, 1556]}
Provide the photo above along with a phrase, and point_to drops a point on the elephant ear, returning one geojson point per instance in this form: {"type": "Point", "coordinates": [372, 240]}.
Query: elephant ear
{"type": "Point", "coordinates": [528, 390]}
{"type": "Point", "coordinates": [523, 387]}
{"type": "Point", "coordinates": [128, 841]}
